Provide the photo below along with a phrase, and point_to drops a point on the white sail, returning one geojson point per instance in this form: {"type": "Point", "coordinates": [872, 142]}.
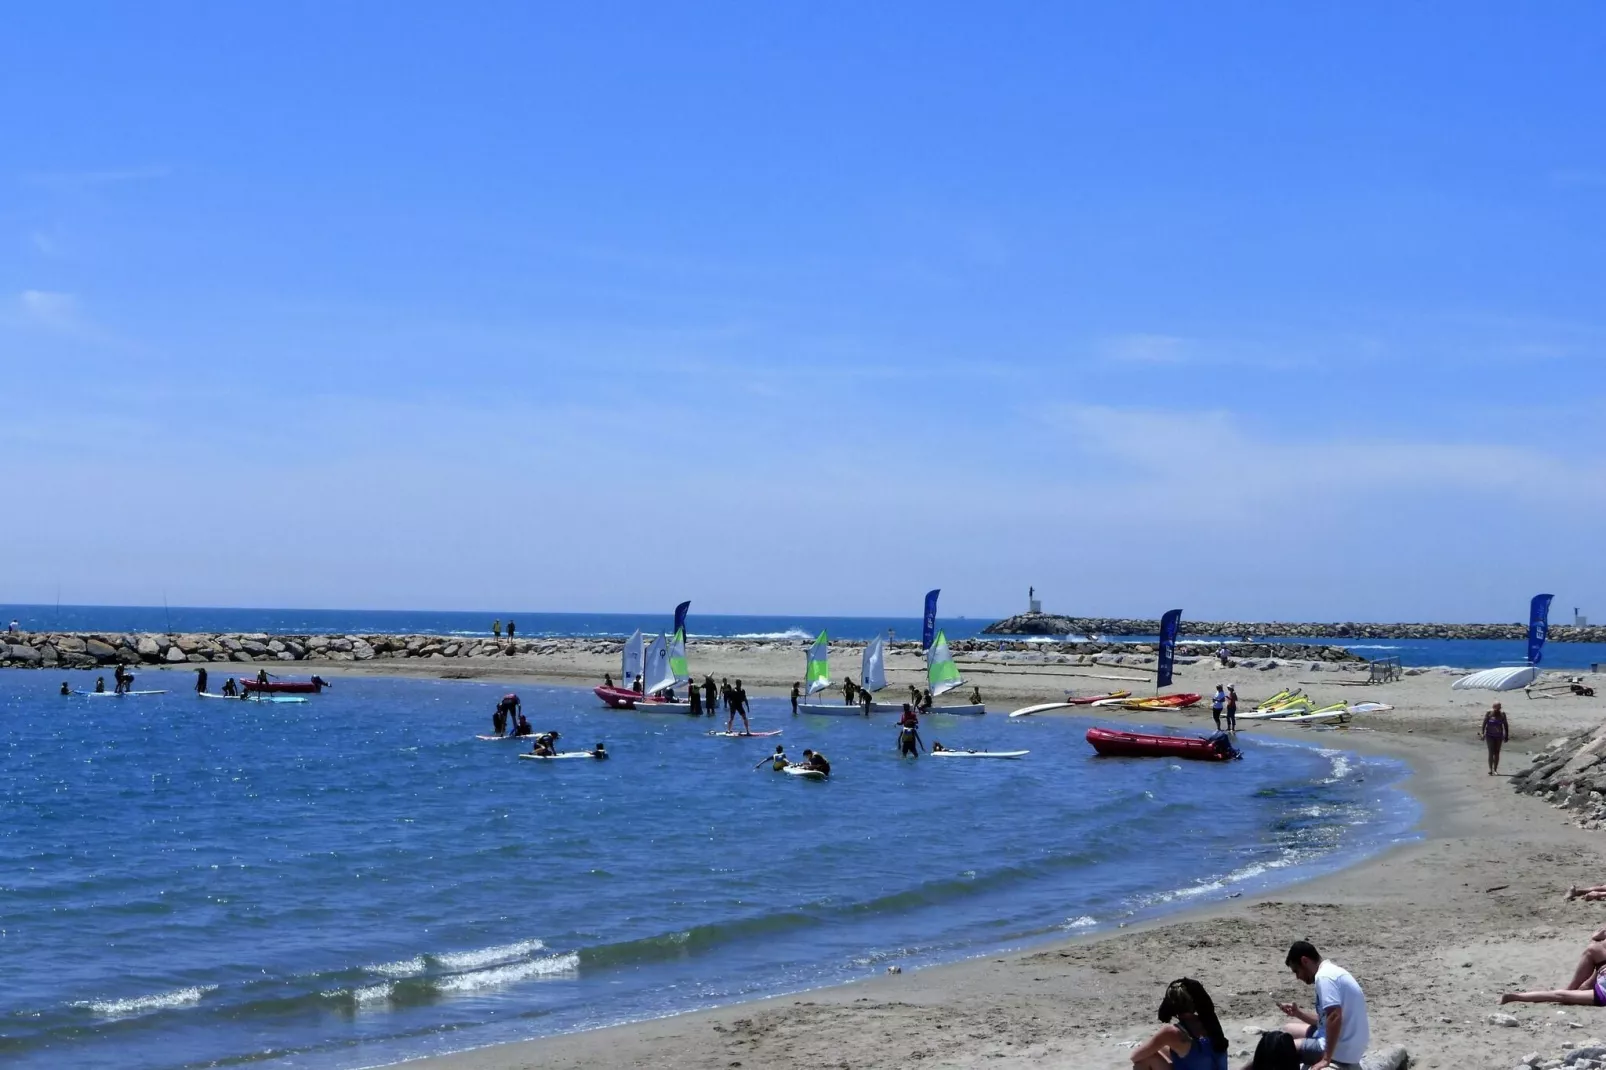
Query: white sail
{"type": "Point", "coordinates": [873, 668]}
{"type": "Point", "coordinates": [817, 666]}
{"type": "Point", "coordinates": [657, 672]}
{"type": "Point", "coordinates": [630, 664]}
{"type": "Point", "coordinates": [941, 672]}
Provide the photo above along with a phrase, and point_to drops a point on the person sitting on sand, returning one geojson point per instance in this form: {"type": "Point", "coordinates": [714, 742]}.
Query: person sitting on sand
{"type": "Point", "coordinates": [1495, 731]}
{"type": "Point", "coordinates": [813, 759]}
{"type": "Point", "coordinates": [1338, 1032]}
{"type": "Point", "coordinates": [1587, 987]}
{"type": "Point", "coordinates": [600, 752]}
{"type": "Point", "coordinates": [1191, 1039]}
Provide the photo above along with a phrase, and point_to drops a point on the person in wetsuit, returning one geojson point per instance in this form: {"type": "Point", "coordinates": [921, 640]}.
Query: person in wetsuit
{"type": "Point", "coordinates": [230, 688]}
{"type": "Point", "coordinates": [695, 697]}
{"type": "Point", "coordinates": [100, 685]}
{"type": "Point", "coordinates": [814, 760]}
{"type": "Point", "coordinates": [521, 726]}
{"type": "Point", "coordinates": [545, 744]}
{"type": "Point", "coordinates": [600, 753]}
{"type": "Point", "coordinates": [66, 688]}
{"type": "Point", "coordinates": [796, 693]}
{"type": "Point", "coordinates": [710, 695]}
{"type": "Point", "coordinates": [909, 742]}
{"type": "Point", "coordinates": [738, 706]}
{"type": "Point", "coordinates": [200, 680]}
{"type": "Point", "coordinates": [510, 708]}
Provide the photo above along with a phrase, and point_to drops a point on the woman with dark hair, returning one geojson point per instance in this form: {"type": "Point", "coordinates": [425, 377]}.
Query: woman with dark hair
{"type": "Point", "coordinates": [1191, 1039]}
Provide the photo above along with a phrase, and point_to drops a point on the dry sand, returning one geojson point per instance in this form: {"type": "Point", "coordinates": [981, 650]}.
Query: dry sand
{"type": "Point", "coordinates": [1434, 930]}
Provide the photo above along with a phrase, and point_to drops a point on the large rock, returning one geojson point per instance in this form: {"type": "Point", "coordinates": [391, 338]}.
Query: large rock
{"type": "Point", "coordinates": [69, 644]}
{"type": "Point", "coordinates": [361, 650]}
{"type": "Point", "coordinates": [175, 654]}
{"type": "Point", "coordinates": [100, 650]}
{"type": "Point", "coordinates": [148, 647]}
{"type": "Point", "coordinates": [1391, 1058]}
{"type": "Point", "coordinates": [25, 655]}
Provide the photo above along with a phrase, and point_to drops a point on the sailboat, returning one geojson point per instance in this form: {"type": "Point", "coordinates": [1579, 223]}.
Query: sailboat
{"type": "Point", "coordinates": [942, 676]}
{"type": "Point", "coordinates": [817, 677]}
{"type": "Point", "coordinates": [660, 667]}
{"type": "Point", "coordinates": [874, 670]}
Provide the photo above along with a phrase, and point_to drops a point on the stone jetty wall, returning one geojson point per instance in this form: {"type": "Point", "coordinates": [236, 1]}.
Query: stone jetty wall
{"type": "Point", "coordinates": [1051, 624]}
{"type": "Point", "coordinates": [1571, 775]}
{"type": "Point", "coordinates": [85, 650]}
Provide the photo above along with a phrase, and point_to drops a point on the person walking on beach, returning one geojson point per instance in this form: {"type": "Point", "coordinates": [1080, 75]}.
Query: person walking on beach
{"type": "Point", "coordinates": [1495, 731]}
{"type": "Point", "coordinates": [1191, 1039]}
{"type": "Point", "coordinates": [1218, 701]}
{"type": "Point", "coordinates": [1587, 987]}
{"type": "Point", "coordinates": [496, 628]}
{"type": "Point", "coordinates": [1232, 707]}
{"type": "Point", "coordinates": [797, 691]}
{"type": "Point", "coordinates": [1337, 1034]}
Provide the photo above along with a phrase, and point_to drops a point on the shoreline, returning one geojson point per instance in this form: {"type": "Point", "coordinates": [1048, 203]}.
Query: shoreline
{"type": "Point", "coordinates": [1433, 929]}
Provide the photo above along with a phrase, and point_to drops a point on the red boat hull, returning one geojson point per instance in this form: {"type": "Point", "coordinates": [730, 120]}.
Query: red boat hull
{"type": "Point", "coordinates": [1116, 744]}
{"type": "Point", "coordinates": [622, 698]}
{"type": "Point", "coordinates": [283, 687]}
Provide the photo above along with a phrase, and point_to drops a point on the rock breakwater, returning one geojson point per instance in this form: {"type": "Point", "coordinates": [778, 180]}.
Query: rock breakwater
{"type": "Point", "coordinates": [1570, 774]}
{"type": "Point", "coordinates": [83, 650]}
{"type": "Point", "coordinates": [1053, 624]}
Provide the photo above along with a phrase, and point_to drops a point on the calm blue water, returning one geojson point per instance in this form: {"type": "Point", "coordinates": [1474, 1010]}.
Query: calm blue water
{"type": "Point", "coordinates": [1469, 653]}
{"type": "Point", "coordinates": [357, 879]}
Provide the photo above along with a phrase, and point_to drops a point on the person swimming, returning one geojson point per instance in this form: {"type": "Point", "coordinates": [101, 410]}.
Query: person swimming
{"type": "Point", "coordinates": [600, 752]}
{"type": "Point", "coordinates": [66, 688]}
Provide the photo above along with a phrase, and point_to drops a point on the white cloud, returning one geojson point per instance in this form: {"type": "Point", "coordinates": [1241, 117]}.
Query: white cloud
{"type": "Point", "coordinates": [50, 309]}
{"type": "Point", "coordinates": [1145, 348]}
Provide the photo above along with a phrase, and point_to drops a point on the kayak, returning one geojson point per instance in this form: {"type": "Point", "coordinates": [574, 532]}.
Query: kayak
{"type": "Point", "coordinates": [746, 735]}
{"type": "Point", "coordinates": [622, 698]}
{"type": "Point", "coordinates": [1111, 743]}
{"type": "Point", "coordinates": [1091, 699]}
{"type": "Point", "coordinates": [1041, 708]}
{"type": "Point", "coordinates": [284, 687]}
{"type": "Point", "coordinates": [979, 753]}
{"type": "Point", "coordinates": [114, 694]}
{"type": "Point", "coordinates": [806, 774]}
{"type": "Point", "coordinates": [1161, 702]}
{"type": "Point", "coordinates": [560, 754]}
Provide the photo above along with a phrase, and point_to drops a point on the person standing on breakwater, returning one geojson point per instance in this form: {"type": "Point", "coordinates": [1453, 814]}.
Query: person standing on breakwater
{"type": "Point", "coordinates": [1495, 731]}
{"type": "Point", "coordinates": [512, 626]}
{"type": "Point", "coordinates": [1217, 702]}
{"type": "Point", "coordinates": [796, 692]}
{"type": "Point", "coordinates": [1232, 707]}
{"type": "Point", "coordinates": [496, 628]}
{"type": "Point", "coordinates": [200, 680]}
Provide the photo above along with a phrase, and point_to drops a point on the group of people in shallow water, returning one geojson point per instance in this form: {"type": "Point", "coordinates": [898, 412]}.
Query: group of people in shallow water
{"type": "Point", "coordinates": [703, 700]}
{"type": "Point", "coordinates": [813, 761]}
{"type": "Point", "coordinates": [508, 719]}
{"type": "Point", "coordinates": [1335, 1034]}
{"type": "Point", "coordinates": [853, 694]}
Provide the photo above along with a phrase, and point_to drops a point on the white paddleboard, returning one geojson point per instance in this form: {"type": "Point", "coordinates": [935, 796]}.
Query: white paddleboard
{"type": "Point", "coordinates": [980, 753]}
{"type": "Point", "coordinates": [746, 735]}
{"type": "Point", "coordinates": [557, 756]}
{"type": "Point", "coordinates": [809, 774]}
{"type": "Point", "coordinates": [1370, 707]}
{"type": "Point", "coordinates": [968, 710]}
{"type": "Point", "coordinates": [1029, 710]}
{"type": "Point", "coordinates": [113, 694]}
{"type": "Point", "coordinates": [830, 709]}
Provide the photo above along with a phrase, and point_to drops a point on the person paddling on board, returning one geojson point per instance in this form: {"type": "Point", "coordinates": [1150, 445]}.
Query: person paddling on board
{"type": "Point", "coordinates": [546, 744]}
{"type": "Point", "coordinates": [200, 680]}
{"type": "Point", "coordinates": [936, 745]}
{"type": "Point", "coordinates": [909, 742]}
{"type": "Point", "coordinates": [738, 705]}
{"type": "Point", "coordinates": [511, 709]}
{"type": "Point", "coordinates": [521, 727]}
{"type": "Point", "coordinates": [262, 677]}
{"type": "Point", "coordinates": [778, 760]}
{"type": "Point", "coordinates": [600, 753]}
{"type": "Point", "coordinates": [230, 688]}
{"type": "Point", "coordinates": [123, 678]}
{"type": "Point", "coordinates": [813, 759]}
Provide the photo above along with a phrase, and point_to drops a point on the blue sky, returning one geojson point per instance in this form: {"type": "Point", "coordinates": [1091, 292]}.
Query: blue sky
{"type": "Point", "coordinates": [805, 307]}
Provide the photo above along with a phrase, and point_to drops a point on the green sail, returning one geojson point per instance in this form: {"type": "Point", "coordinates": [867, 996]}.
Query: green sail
{"type": "Point", "coordinates": [941, 672]}
{"type": "Point", "coordinates": [817, 671]}
{"type": "Point", "coordinates": [677, 658]}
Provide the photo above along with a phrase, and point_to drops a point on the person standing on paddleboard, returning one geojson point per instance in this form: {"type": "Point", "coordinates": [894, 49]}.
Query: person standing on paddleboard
{"type": "Point", "coordinates": [200, 681]}
{"type": "Point", "coordinates": [737, 704]}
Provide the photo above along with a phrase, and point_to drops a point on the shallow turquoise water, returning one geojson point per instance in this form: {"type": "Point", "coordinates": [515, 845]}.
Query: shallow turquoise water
{"type": "Point", "coordinates": [357, 879]}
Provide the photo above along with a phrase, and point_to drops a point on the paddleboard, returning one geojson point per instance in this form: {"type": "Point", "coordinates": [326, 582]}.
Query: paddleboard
{"type": "Point", "coordinates": [113, 694]}
{"type": "Point", "coordinates": [1029, 710]}
{"type": "Point", "coordinates": [980, 753]}
{"type": "Point", "coordinates": [1370, 707]}
{"type": "Point", "coordinates": [560, 754]}
{"type": "Point", "coordinates": [808, 774]}
{"type": "Point", "coordinates": [830, 709]}
{"type": "Point", "coordinates": [501, 737]}
{"type": "Point", "coordinates": [968, 710]}
{"type": "Point", "coordinates": [746, 735]}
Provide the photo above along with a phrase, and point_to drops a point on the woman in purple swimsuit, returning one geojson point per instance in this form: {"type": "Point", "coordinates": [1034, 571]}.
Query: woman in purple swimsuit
{"type": "Point", "coordinates": [1588, 987]}
{"type": "Point", "coordinates": [1495, 731]}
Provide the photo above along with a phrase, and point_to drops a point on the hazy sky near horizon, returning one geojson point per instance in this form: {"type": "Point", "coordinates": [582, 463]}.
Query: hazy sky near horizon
{"type": "Point", "coordinates": [807, 307]}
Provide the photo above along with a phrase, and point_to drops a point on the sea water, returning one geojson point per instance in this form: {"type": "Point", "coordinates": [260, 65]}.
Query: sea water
{"type": "Point", "coordinates": [1465, 653]}
{"type": "Point", "coordinates": [357, 879]}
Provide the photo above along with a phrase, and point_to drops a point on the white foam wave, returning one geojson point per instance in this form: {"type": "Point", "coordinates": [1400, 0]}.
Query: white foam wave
{"type": "Point", "coordinates": [497, 976]}
{"type": "Point", "coordinates": [488, 956]}
{"type": "Point", "coordinates": [160, 1001]}
{"type": "Point", "coordinates": [1083, 922]}
{"type": "Point", "coordinates": [405, 968]}
{"type": "Point", "coordinates": [1341, 767]}
{"type": "Point", "coordinates": [790, 633]}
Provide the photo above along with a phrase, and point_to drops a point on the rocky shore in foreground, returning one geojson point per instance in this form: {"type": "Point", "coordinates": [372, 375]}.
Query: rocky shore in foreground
{"type": "Point", "coordinates": [1053, 624]}
{"type": "Point", "coordinates": [83, 650]}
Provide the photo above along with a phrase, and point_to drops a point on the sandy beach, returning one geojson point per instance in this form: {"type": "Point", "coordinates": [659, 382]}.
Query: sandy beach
{"type": "Point", "coordinates": [1434, 929]}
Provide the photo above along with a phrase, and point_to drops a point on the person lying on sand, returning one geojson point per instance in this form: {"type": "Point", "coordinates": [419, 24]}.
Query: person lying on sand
{"type": "Point", "coordinates": [1590, 895]}
{"type": "Point", "coordinates": [1191, 1039]}
{"type": "Point", "coordinates": [1587, 987]}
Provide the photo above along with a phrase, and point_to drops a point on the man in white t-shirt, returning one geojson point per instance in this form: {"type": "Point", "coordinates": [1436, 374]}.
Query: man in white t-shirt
{"type": "Point", "coordinates": [1337, 1034]}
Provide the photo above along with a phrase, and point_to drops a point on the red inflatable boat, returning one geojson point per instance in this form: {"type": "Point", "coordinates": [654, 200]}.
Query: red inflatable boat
{"type": "Point", "coordinates": [622, 698]}
{"type": "Point", "coordinates": [286, 687]}
{"type": "Point", "coordinates": [1116, 744]}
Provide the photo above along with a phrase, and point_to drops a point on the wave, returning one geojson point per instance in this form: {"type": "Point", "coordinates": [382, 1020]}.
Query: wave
{"type": "Point", "coordinates": [1086, 921]}
{"type": "Point", "coordinates": [136, 1005]}
{"type": "Point", "coordinates": [790, 633]}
